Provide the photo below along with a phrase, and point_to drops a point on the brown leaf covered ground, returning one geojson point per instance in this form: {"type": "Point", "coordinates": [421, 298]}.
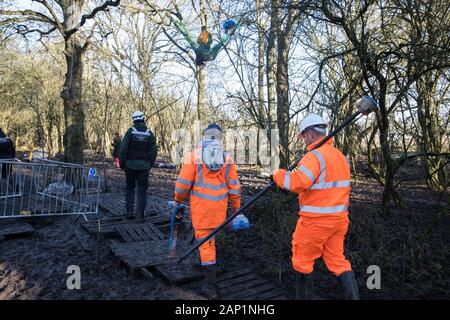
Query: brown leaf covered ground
{"type": "Point", "coordinates": [411, 247]}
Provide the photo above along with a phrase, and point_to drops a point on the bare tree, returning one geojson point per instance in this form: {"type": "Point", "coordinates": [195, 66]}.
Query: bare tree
{"type": "Point", "coordinates": [64, 17]}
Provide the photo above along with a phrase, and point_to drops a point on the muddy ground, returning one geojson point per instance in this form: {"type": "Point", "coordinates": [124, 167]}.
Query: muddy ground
{"type": "Point", "coordinates": [411, 247]}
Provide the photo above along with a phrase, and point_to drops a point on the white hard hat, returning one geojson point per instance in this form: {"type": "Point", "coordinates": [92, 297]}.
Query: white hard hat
{"type": "Point", "coordinates": [138, 115]}
{"type": "Point", "coordinates": [311, 120]}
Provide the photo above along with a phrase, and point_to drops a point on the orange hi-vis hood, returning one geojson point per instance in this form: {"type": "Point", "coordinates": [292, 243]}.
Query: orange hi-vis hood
{"type": "Point", "coordinates": [322, 178]}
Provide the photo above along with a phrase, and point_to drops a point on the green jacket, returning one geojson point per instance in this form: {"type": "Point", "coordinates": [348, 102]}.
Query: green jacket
{"type": "Point", "coordinates": [136, 163]}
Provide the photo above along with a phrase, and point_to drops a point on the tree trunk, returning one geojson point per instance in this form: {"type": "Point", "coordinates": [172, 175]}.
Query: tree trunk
{"type": "Point", "coordinates": [430, 137]}
{"type": "Point", "coordinates": [73, 109]}
{"type": "Point", "coordinates": [272, 62]}
{"type": "Point", "coordinates": [282, 87]}
{"type": "Point", "coordinates": [262, 116]}
{"type": "Point", "coordinates": [389, 165]}
{"type": "Point", "coordinates": [201, 71]}
{"type": "Point", "coordinates": [59, 139]}
{"type": "Point", "coordinates": [261, 56]}
{"type": "Point", "coordinates": [201, 88]}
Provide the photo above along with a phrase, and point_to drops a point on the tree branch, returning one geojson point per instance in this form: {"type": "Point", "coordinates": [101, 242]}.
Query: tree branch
{"type": "Point", "coordinates": [58, 24]}
{"type": "Point", "coordinates": [29, 14]}
{"type": "Point", "coordinates": [104, 7]}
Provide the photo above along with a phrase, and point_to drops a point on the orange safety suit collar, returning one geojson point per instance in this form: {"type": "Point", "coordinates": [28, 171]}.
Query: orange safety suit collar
{"type": "Point", "coordinates": [315, 143]}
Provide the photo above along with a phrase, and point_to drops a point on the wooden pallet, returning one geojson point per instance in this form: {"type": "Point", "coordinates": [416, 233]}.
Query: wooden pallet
{"type": "Point", "coordinates": [152, 256]}
{"type": "Point", "coordinates": [108, 226]}
{"type": "Point", "coordinates": [145, 253]}
{"type": "Point", "coordinates": [138, 232]}
{"type": "Point", "coordinates": [15, 229]}
{"type": "Point", "coordinates": [115, 204]}
{"type": "Point", "coordinates": [178, 273]}
{"type": "Point", "coordinates": [177, 293]}
{"type": "Point", "coordinates": [243, 284]}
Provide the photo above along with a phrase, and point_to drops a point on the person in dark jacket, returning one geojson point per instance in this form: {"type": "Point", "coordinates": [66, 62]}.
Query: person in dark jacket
{"type": "Point", "coordinates": [137, 155]}
{"type": "Point", "coordinates": [116, 148]}
{"type": "Point", "coordinates": [7, 151]}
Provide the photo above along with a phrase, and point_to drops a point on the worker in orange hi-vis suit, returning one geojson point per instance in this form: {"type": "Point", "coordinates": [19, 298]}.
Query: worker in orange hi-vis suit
{"type": "Point", "coordinates": [322, 180]}
{"type": "Point", "coordinates": [210, 178]}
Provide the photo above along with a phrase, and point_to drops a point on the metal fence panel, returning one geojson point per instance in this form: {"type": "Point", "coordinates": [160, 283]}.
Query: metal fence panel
{"type": "Point", "coordinates": [47, 188]}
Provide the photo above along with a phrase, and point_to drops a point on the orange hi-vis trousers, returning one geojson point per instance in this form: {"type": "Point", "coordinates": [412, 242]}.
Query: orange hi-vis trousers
{"type": "Point", "coordinates": [208, 249]}
{"type": "Point", "coordinates": [316, 237]}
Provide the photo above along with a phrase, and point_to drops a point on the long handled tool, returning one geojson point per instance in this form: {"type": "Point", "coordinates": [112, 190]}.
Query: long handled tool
{"type": "Point", "coordinates": [177, 219]}
{"type": "Point", "coordinates": [365, 105]}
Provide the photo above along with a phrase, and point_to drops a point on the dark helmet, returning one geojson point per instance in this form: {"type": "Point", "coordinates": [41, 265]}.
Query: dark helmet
{"type": "Point", "coordinates": [212, 132]}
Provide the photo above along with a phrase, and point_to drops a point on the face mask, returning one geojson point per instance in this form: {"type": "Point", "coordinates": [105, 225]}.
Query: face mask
{"type": "Point", "coordinates": [212, 154]}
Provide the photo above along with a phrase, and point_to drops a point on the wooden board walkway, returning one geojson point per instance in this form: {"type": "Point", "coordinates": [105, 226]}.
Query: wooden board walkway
{"type": "Point", "coordinates": [145, 250]}
{"type": "Point", "coordinates": [15, 229]}
{"type": "Point", "coordinates": [139, 232]}
{"type": "Point", "coordinates": [146, 253]}
{"type": "Point", "coordinates": [108, 226]}
{"type": "Point", "coordinates": [177, 293]}
{"type": "Point", "coordinates": [243, 284]}
{"type": "Point", "coordinates": [152, 256]}
{"type": "Point", "coordinates": [115, 204]}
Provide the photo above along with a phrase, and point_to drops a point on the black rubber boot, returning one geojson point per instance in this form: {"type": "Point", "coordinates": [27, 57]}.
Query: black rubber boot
{"type": "Point", "coordinates": [349, 285]}
{"type": "Point", "coordinates": [140, 218]}
{"type": "Point", "coordinates": [303, 286]}
{"type": "Point", "coordinates": [129, 203]}
{"type": "Point", "coordinates": [209, 288]}
{"type": "Point", "coordinates": [196, 262]}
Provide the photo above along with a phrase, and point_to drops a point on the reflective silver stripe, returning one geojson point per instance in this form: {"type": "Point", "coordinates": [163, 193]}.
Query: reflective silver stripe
{"type": "Point", "coordinates": [199, 174]}
{"type": "Point", "coordinates": [143, 133]}
{"type": "Point", "coordinates": [210, 239]}
{"type": "Point", "coordinates": [307, 173]}
{"type": "Point", "coordinates": [322, 165]}
{"type": "Point", "coordinates": [287, 180]}
{"type": "Point", "coordinates": [333, 184]}
{"type": "Point", "coordinates": [208, 263]}
{"type": "Point", "coordinates": [233, 191]}
{"type": "Point", "coordinates": [184, 181]}
{"type": "Point", "coordinates": [235, 182]}
{"type": "Point", "coordinates": [211, 186]}
{"type": "Point", "coordinates": [201, 184]}
{"type": "Point", "coordinates": [227, 171]}
{"type": "Point", "coordinates": [333, 209]}
{"type": "Point", "coordinates": [179, 190]}
{"type": "Point", "coordinates": [209, 197]}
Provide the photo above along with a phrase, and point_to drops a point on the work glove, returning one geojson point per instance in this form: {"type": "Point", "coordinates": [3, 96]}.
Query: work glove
{"type": "Point", "coordinates": [240, 222]}
{"type": "Point", "coordinates": [174, 203]}
{"type": "Point", "coordinates": [228, 228]}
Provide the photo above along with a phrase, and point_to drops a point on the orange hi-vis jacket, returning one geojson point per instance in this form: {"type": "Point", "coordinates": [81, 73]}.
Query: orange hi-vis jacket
{"type": "Point", "coordinates": [322, 180]}
{"type": "Point", "coordinates": [209, 190]}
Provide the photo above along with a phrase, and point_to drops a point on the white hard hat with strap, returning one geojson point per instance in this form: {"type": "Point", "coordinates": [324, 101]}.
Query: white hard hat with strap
{"type": "Point", "coordinates": [311, 120]}
{"type": "Point", "coordinates": [138, 115]}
